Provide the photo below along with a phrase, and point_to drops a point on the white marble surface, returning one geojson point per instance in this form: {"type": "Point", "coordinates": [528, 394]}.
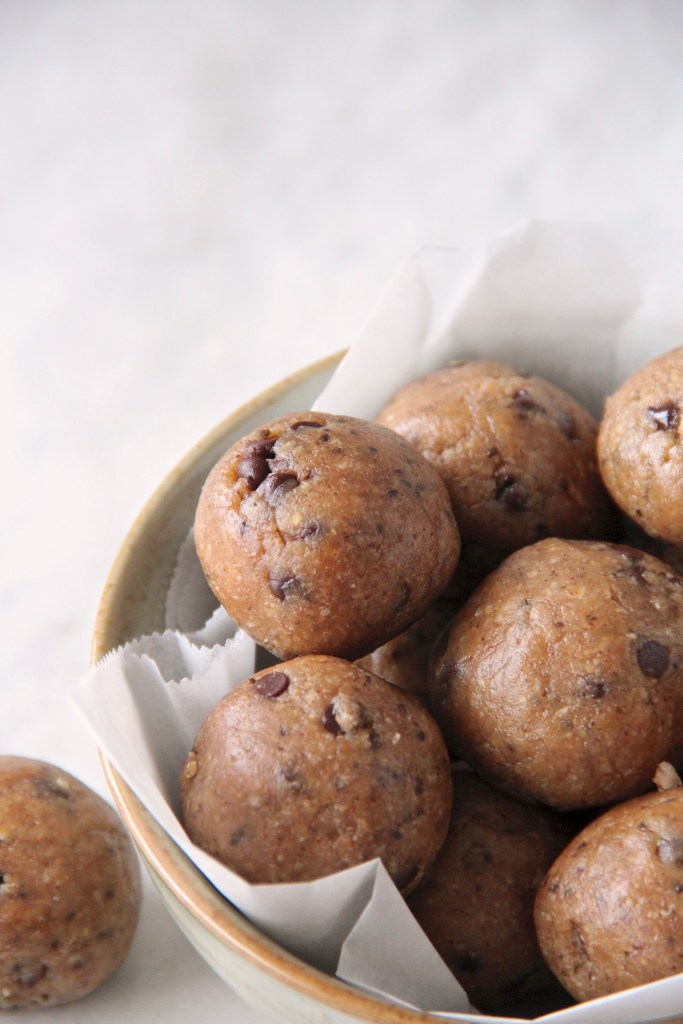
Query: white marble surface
{"type": "Point", "coordinates": [198, 197]}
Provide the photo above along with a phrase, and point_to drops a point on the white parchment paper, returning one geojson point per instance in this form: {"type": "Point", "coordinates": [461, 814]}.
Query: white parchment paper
{"type": "Point", "coordinates": [581, 304]}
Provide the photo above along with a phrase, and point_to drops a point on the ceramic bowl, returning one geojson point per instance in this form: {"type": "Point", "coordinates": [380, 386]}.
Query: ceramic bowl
{"type": "Point", "coordinates": [261, 972]}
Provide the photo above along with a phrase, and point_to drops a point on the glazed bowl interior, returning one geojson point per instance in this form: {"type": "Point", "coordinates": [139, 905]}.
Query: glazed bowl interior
{"type": "Point", "coordinates": [133, 604]}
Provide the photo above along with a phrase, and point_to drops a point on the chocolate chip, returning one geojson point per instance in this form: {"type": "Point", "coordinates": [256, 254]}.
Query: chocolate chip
{"type": "Point", "coordinates": [304, 423]}
{"type": "Point", "coordinates": [523, 402]}
{"type": "Point", "coordinates": [593, 688]}
{"type": "Point", "coordinates": [237, 835]}
{"type": "Point", "coordinates": [664, 417]}
{"type": "Point", "coordinates": [392, 493]}
{"type": "Point", "coordinates": [653, 659]}
{"type": "Point", "coordinates": [254, 469]}
{"type": "Point", "coordinates": [491, 453]}
{"type": "Point", "coordinates": [277, 485]}
{"type": "Point", "coordinates": [568, 424]}
{"type": "Point", "coordinates": [262, 448]}
{"type": "Point", "coordinates": [510, 494]}
{"type": "Point", "coordinates": [29, 972]}
{"type": "Point", "coordinates": [330, 722]}
{"type": "Point", "coordinates": [283, 584]}
{"type": "Point", "coordinates": [308, 530]}
{"type": "Point", "coordinates": [48, 787]}
{"type": "Point", "coordinates": [272, 685]}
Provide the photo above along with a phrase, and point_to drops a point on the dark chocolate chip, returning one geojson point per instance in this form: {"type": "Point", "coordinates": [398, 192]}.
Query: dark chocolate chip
{"type": "Point", "coordinates": [523, 402]}
{"type": "Point", "coordinates": [510, 494]}
{"type": "Point", "coordinates": [568, 424]}
{"type": "Point", "coordinates": [29, 972]}
{"type": "Point", "coordinates": [237, 835]}
{"type": "Point", "coordinates": [653, 659]}
{"type": "Point", "coordinates": [48, 787]}
{"type": "Point", "coordinates": [254, 469]}
{"type": "Point", "coordinates": [264, 449]}
{"type": "Point", "coordinates": [593, 688]}
{"type": "Point", "coordinates": [304, 423]}
{"type": "Point", "coordinates": [392, 493]}
{"type": "Point", "coordinates": [330, 722]}
{"type": "Point", "coordinates": [272, 685]}
{"type": "Point", "coordinates": [664, 417]}
{"type": "Point", "coordinates": [277, 485]}
{"type": "Point", "coordinates": [308, 530]}
{"type": "Point", "coordinates": [325, 436]}
{"type": "Point", "coordinates": [491, 453]}
{"type": "Point", "coordinates": [284, 584]}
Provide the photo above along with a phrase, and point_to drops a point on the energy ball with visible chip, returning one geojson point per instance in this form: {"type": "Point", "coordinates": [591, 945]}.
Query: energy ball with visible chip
{"type": "Point", "coordinates": [639, 447]}
{"type": "Point", "coordinates": [315, 766]}
{"type": "Point", "coordinates": [69, 886]}
{"type": "Point", "coordinates": [609, 914]}
{"type": "Point", "coordinates": [476, 905]}
{"type": "Point", "coordinates": [517, 453]}
{"type": "Point", "coordinates": [562, 678]}
{"type": "Point", "coordinates": [325, 534]}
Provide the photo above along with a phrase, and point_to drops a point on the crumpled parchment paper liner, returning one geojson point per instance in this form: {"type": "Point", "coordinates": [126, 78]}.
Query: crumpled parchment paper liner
{"type": "Point", "coordinates": [581, 304]}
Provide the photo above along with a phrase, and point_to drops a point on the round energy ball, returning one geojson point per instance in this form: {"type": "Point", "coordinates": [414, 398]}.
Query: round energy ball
{"type": "Point", "coordinates": [639, 450]}
{"type": "Point", "coordinates": [69, 886]}
{"type": "Point", "coordinates": [516, 453]}
{"type": "Point", "coordinates": [562, 677]}
{"type": "Point", "coordinates": [609, 914]}
{"type": "Point", "coordinates": [315, 766]}
{"type": "Point", "coordinates": [325, 534]}
{"type": "Point", "coordinates": [476, 905]}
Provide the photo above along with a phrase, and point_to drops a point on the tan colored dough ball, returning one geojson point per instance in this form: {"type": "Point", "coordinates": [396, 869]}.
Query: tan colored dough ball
{"type": "Point", "coordinates": [314, 766]}
{"type": "Point", "coordinates": [476, 904]}
{"type": "Point", "coordinates": [609, 914]}
{"type": "Point", "coordinates": [516, 453]}
{"type": "Point", "coordinates": [69, 886]}
{"type": "Point", "coordinates": [639, 449]}
{"type": "Point", "coordinates": [325, 534]}
{"type": "Point", "coordinates": [562, 677]}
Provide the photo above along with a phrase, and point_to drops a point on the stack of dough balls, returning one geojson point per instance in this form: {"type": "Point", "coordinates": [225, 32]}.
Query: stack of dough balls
{"type": "Point", "coordinates": [550, 655]}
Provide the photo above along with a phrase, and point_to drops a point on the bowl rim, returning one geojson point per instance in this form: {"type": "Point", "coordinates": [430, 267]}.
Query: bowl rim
{"type": "Point", "coordinates": [192, 889]}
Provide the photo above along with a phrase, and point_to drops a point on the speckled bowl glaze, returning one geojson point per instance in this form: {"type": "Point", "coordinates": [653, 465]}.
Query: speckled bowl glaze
{"type": "Point", "coordinates": [261, 972]}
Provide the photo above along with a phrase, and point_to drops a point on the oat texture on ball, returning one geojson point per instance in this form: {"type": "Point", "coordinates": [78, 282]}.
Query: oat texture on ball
{"type": "Point", "coordinates": [325, 534]}
{"type": "Point", "coordinates": [315, 766]}
{"type": "Point", "coordinates": [561, 680]}
{"type": "Point", "coordinates": [639, 447]}
{"type": "Point", "coordinates": [69, 887]}
{"type": "Point", "coordinates": [609, 914]}
{"type": "Point", "coordinates": [516, 452]}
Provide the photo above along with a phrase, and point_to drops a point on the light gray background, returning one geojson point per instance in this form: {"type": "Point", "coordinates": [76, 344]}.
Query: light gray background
{"type": "Point", "coordinates": [196, 198]}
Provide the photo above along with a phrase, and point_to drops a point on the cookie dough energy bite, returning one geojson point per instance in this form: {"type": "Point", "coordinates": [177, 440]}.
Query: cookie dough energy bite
{"type": "Point", "coordinates": [516, 452]}
{"type": "Point", "coordinates": [562, 678]}
{"type": "Point", "coordinates": [315, 766]}
{"type": "Point", "coordinates": [325, 534]}
{"type": "Point", "coordinates": [641, 458]}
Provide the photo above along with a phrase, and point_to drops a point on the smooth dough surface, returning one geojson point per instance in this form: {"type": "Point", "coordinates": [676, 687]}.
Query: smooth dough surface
{"type": "Point", "coordinates": [562, 677]}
